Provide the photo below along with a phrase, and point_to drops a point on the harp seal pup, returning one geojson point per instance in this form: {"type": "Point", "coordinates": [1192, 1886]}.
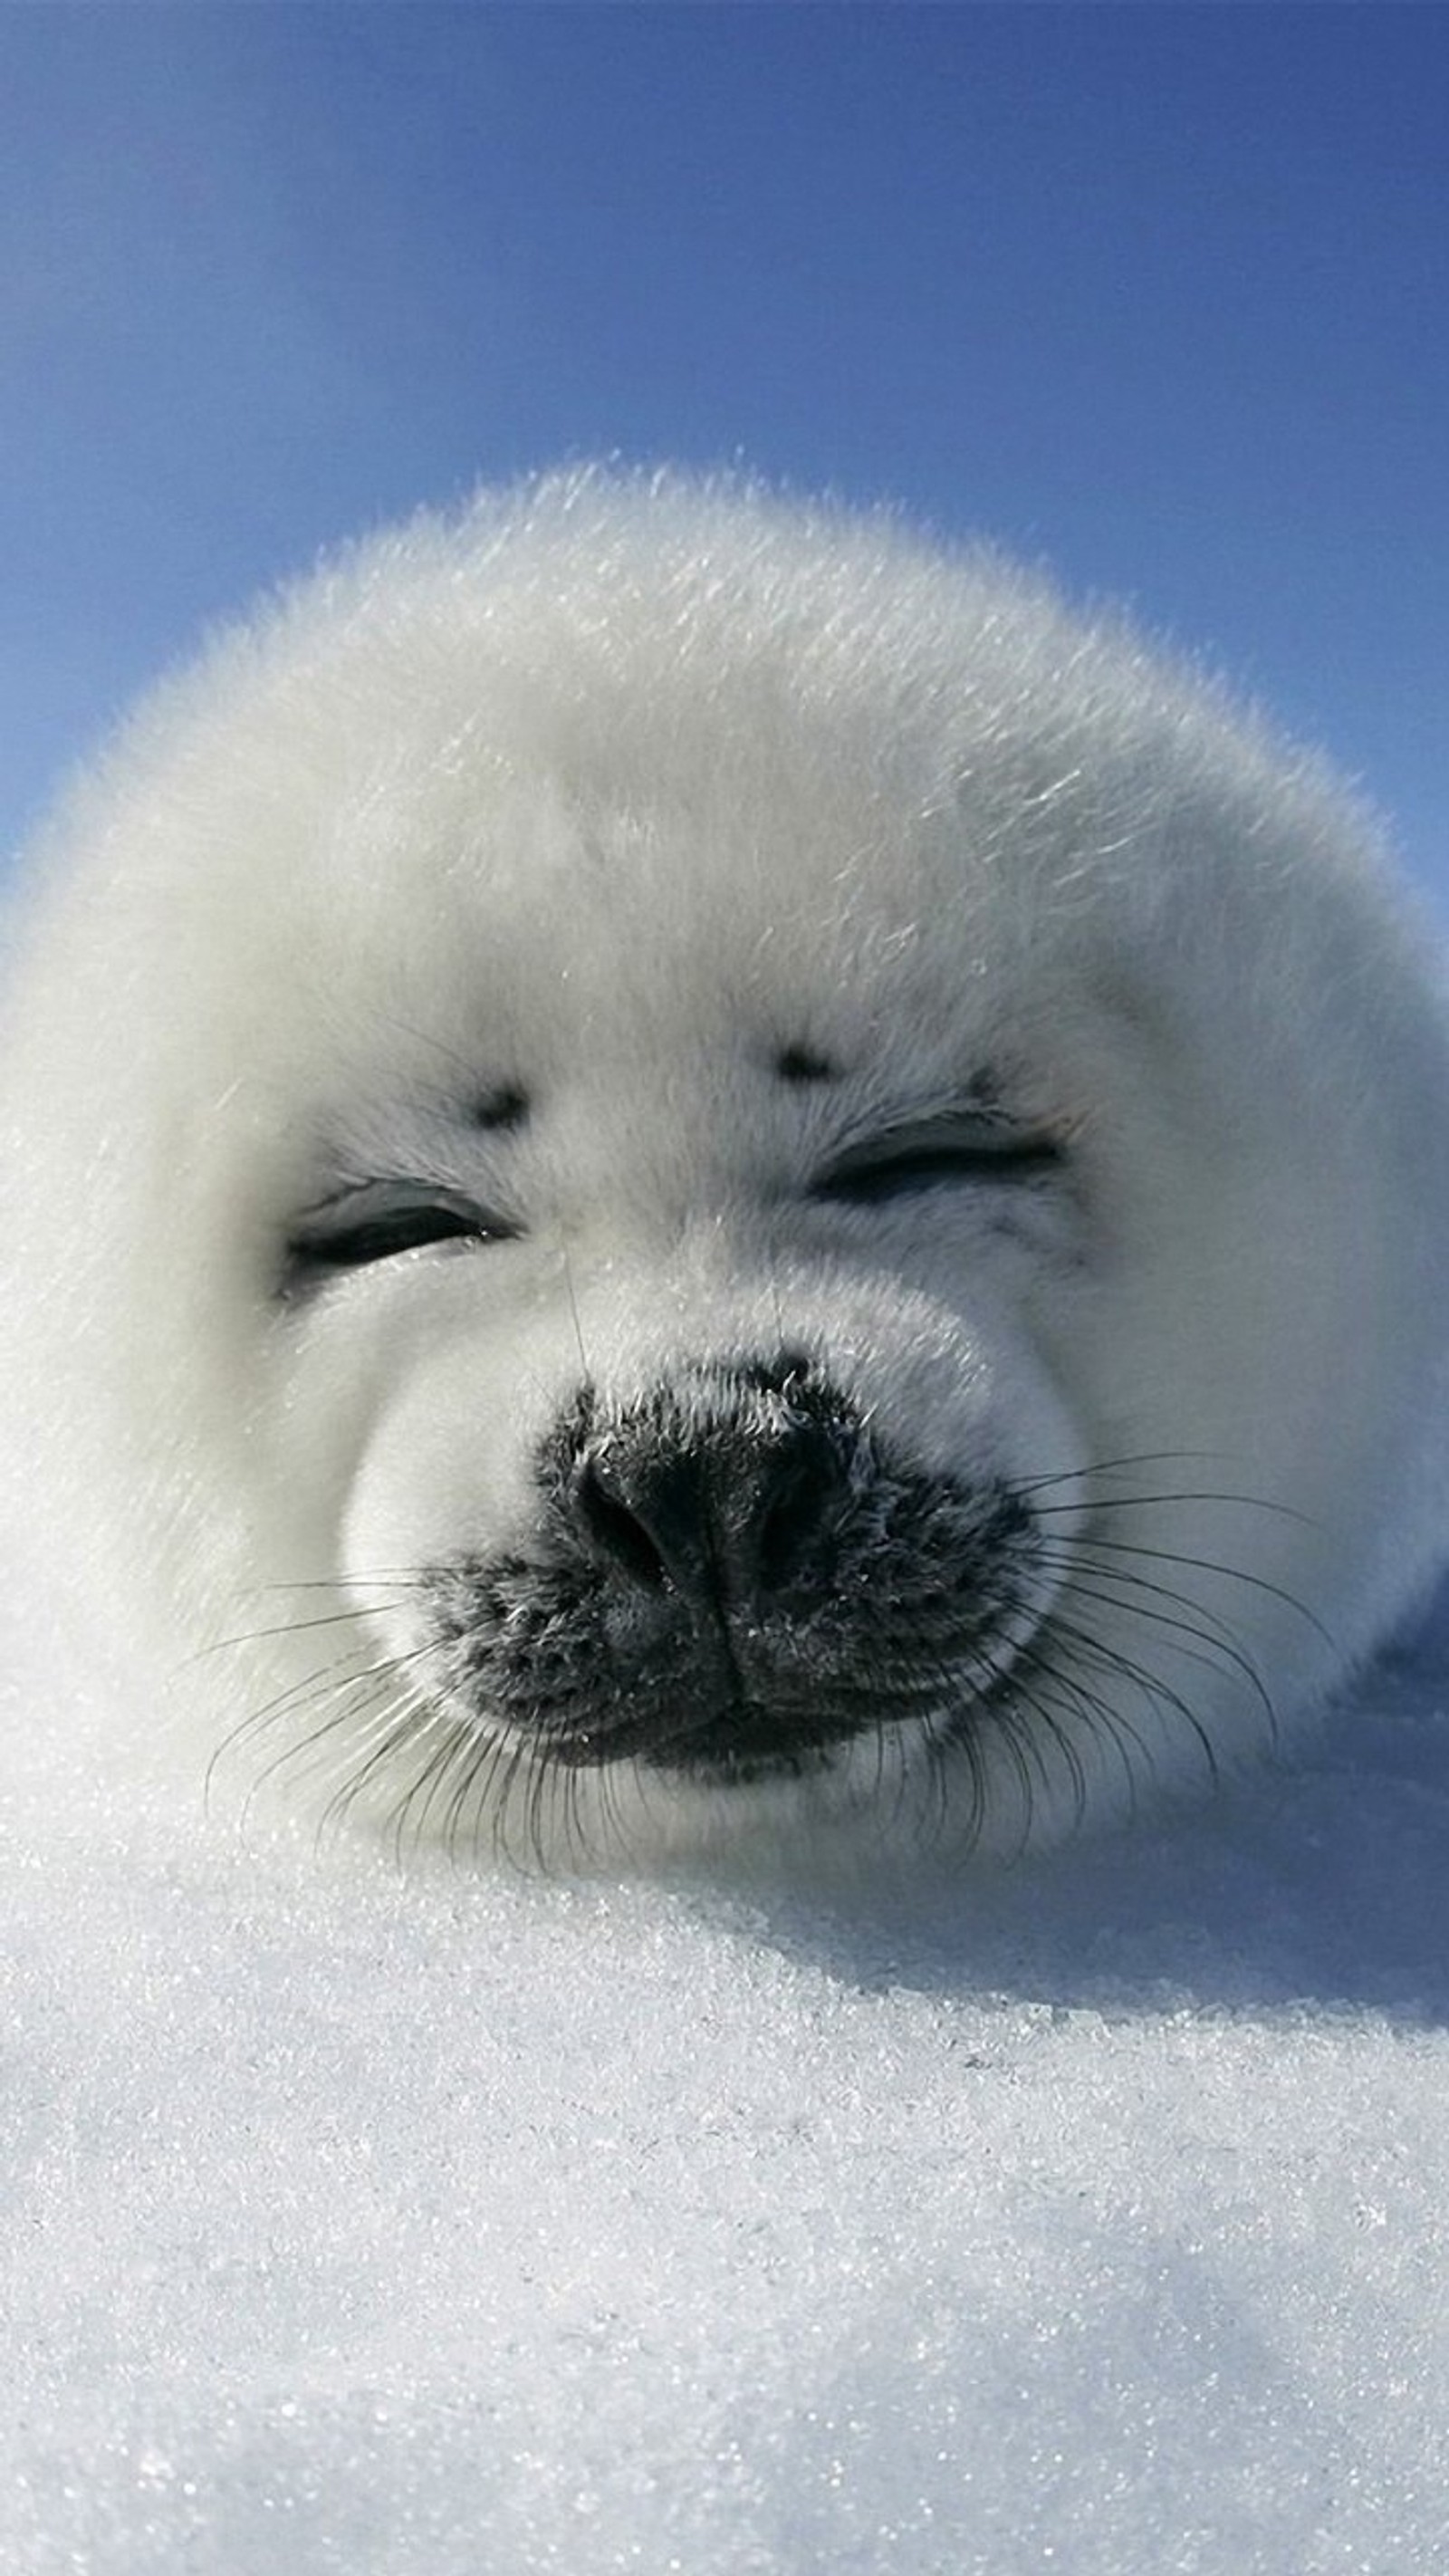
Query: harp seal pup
{"type": "Point", "coordinates": [684, 1176]}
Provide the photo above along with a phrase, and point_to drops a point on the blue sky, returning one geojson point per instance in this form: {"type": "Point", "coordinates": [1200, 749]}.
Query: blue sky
{"type": "Point", "coordinates": [1154, 293]}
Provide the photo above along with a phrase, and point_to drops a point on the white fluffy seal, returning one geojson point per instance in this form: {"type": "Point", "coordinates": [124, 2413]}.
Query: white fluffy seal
{"type": "Point", "coordinates": [680, 1174]}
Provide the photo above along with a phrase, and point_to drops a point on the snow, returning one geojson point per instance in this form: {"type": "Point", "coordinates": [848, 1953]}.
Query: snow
{"type": "Point", "coordinates": [1089, 2218]}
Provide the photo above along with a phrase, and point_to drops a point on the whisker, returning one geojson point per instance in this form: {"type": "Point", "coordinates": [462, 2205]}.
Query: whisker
{"type": "Point", "coordinates": [281, 1628]}
{"type": "Point", "coordinates": [389, 1733]}
{"type": "Point", "coordinates": [259, 1721]}
{"type": "Point", "coordinates": [417, 1803]}
{"type": "Point", "coordinates": [1118, 1466]}
{"type": "Point", "coordinates": [1213, 1565]}
{"type": "Point", "coordinates": [568, 1276]}
{"type": "Point", "coordinates": [1101, 1718]}
{"type": "Point", "coordinates": [1156, 1502]}
{"type": "Point", "coordinates": [1154, 1688]}
{"type": "Point", "coordinates": [1220, 1650]}
{"type": "Point", "coordinates": [396, 1578]}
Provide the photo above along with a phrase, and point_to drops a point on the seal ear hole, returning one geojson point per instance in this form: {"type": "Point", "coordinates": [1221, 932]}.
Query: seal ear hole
{"type": "Point", "coordinates": [802, 1064]}
{"type": "Point", "coordinates": [502, 1108]}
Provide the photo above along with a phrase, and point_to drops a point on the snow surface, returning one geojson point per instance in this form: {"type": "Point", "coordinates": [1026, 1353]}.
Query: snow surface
{"type": "Point", "coordinates": [1088, 2219]}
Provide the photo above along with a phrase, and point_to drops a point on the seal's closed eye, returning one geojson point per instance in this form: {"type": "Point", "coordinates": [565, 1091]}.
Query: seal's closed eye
{"type": "Point", "coordinates": [380, 1219]}
{"type": "Point", "coordinates": [936, 1152]}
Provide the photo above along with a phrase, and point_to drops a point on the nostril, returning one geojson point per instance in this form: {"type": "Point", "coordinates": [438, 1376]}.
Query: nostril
{"type": "Point", "coordinates": [613, 1524]}
{"type": "Point", "coordinates": [798, 1497]}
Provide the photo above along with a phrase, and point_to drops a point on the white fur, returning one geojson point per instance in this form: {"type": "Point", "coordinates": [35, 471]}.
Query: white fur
{"type": "Point", "coordinates": [613, 789]}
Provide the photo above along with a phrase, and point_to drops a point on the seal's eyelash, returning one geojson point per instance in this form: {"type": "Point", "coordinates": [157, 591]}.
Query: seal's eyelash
{"type": "Point", "coordinates": [932, 1152]}
{"type": "Point", "coordinates": [376, 1220]}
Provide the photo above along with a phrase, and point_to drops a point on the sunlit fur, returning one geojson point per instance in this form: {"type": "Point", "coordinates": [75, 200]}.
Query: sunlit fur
{"type": "Point", "coordinates": [725, 834]}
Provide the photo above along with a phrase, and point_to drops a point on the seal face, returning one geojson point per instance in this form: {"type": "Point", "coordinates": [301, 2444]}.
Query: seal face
{"type": "Point", "coordinates": [686, 1178]}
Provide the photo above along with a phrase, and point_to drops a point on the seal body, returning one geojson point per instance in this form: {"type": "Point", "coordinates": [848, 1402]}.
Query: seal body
{"type": "Point", "coordinates": [683, 1175]}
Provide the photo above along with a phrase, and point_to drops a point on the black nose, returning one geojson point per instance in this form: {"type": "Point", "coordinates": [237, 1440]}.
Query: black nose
{"type": "Point", "coordinates": [726, 1505]}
